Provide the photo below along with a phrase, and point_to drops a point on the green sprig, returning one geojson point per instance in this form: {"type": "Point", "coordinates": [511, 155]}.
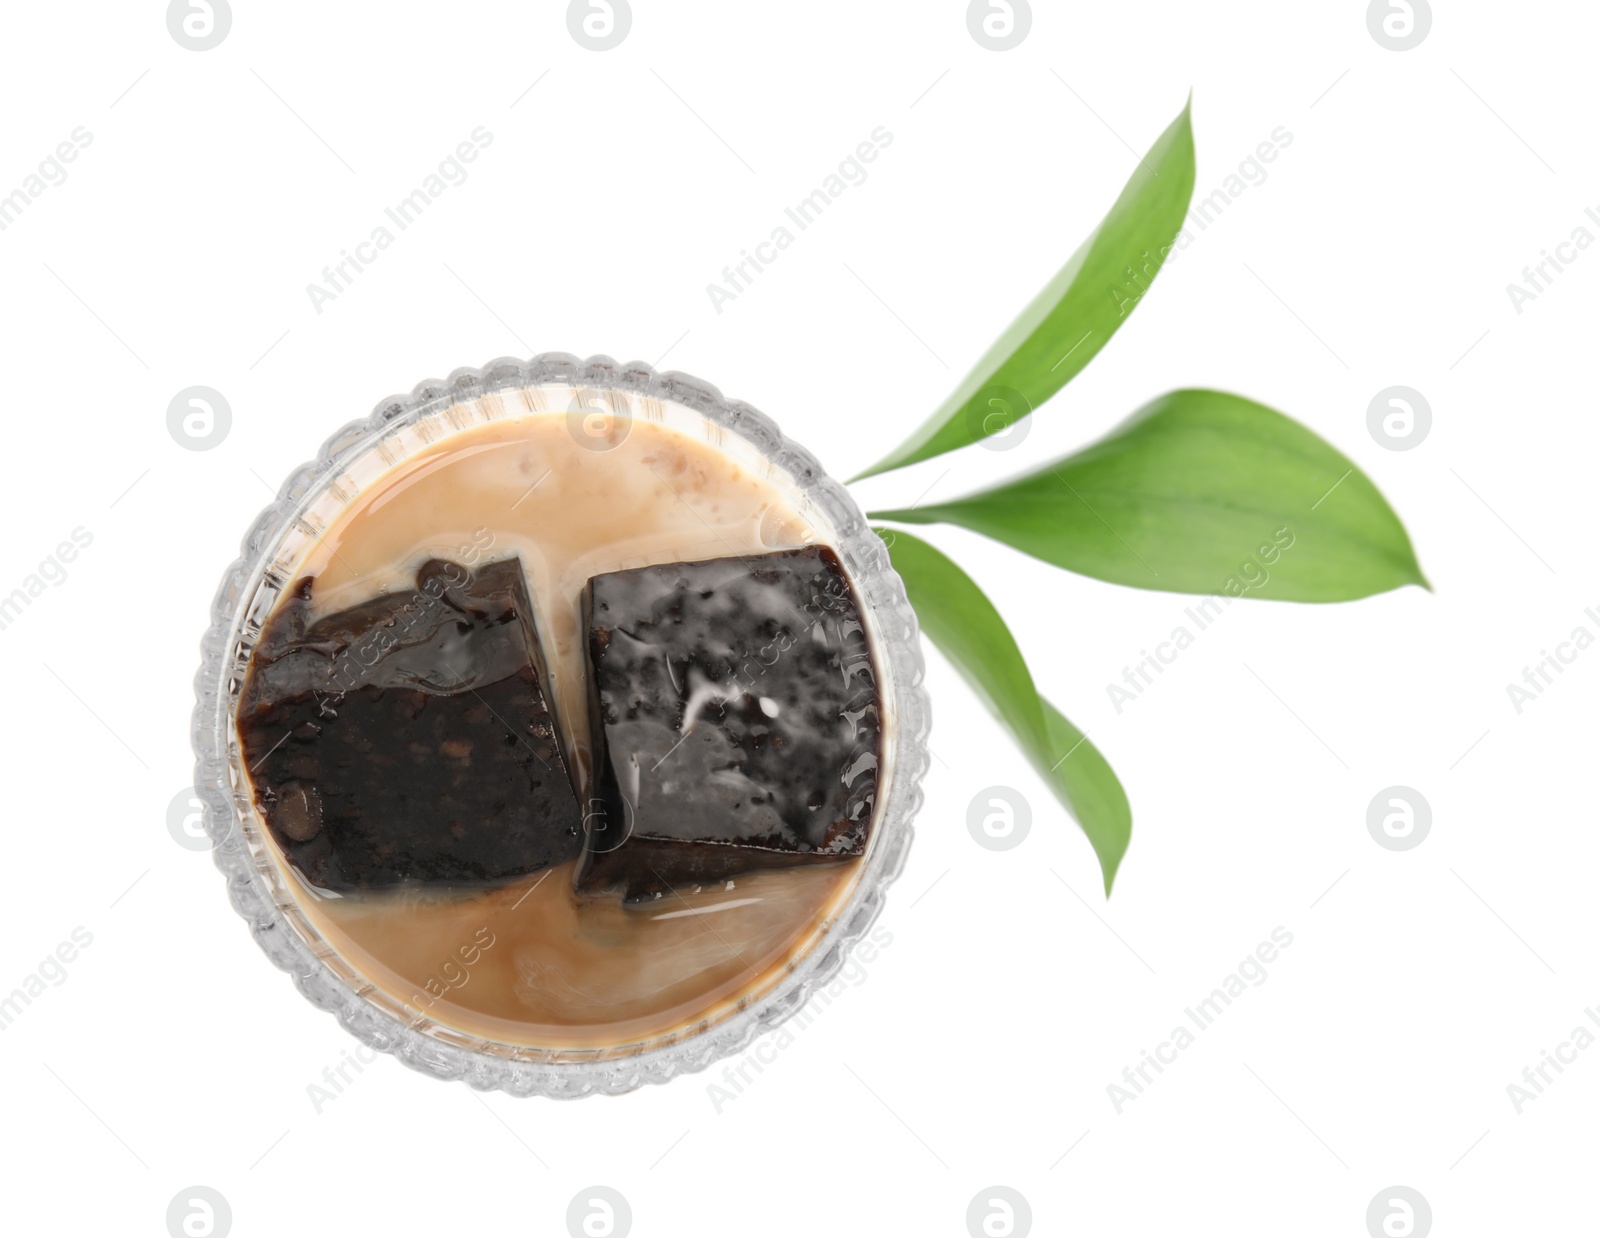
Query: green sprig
{"type": "Point", "coordinates": [1197, 492]}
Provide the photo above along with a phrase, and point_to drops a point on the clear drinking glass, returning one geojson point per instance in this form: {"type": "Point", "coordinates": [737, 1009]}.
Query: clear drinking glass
{"type": "Point", "coordinates": [548, 385]}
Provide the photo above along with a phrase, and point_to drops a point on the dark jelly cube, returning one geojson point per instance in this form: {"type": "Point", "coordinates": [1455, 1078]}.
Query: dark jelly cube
{"type": "Point", "coordinates": [734, 719]}
{"type": "Point", "coordinates": [407, 741]}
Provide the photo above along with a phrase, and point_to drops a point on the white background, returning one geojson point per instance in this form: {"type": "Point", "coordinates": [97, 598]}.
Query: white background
{"type": "Point", "coordinates": [978, 1048]}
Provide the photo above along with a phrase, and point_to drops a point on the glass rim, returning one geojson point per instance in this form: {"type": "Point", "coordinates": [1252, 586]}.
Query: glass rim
{"type": "Point", "coordinates": [250, 588]}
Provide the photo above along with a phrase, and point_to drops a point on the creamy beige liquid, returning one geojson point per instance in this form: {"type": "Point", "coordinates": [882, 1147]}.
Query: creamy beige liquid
{"type": "Point", "coordinates": [534, 963]}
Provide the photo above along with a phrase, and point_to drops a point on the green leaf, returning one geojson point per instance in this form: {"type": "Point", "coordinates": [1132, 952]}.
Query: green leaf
{"type": "Point", "coordinates": [1078, 311]}
{"type": "Point", "coordinates": [957, 616]}
{"type": "Point", "coordinates": [1201, 492]}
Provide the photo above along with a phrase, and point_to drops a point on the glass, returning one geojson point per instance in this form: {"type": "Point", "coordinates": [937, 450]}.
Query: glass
{"type": "Point", "coordinates": [552, 384]}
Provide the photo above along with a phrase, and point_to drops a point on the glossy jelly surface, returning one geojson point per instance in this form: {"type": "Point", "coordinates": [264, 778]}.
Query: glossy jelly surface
{"type": "Point", "coordinates": [507, 948]}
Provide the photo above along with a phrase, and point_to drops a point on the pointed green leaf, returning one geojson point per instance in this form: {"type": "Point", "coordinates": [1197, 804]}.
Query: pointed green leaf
{"type": "Point", "coordinates": [957, 616]}
{"type": "Point", "coordinates": [1201, 492]}
{"type": "Point", "coordinates": [1077, 312]}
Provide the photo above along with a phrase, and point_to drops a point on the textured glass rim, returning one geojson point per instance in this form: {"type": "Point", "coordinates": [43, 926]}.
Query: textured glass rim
{"type": "Point", "coordinates": [434, 1048]}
